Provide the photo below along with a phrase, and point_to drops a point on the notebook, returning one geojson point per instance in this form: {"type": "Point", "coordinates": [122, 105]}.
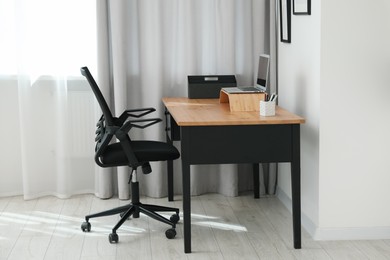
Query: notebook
{"type": "Point", "coordinates": [262, 78]}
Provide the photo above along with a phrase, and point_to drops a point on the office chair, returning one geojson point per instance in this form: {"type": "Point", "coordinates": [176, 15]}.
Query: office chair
{"type": "Point", "coordinates": [131, 153]}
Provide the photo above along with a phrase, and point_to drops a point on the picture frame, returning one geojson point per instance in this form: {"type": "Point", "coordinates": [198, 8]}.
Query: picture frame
{"type": "Point", "coordinates": [285, 20]}
{"type": "Point", "coordinates": [302, 7]}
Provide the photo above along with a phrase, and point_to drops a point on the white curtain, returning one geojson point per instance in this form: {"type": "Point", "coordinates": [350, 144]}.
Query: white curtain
{"type": "Point", "coordinates": [147, 48]}
{"type": "Point", "coordinates": [47, 110]}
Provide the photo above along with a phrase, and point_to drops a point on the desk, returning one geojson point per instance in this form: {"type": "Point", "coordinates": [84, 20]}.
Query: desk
{"type": "Point", "coordinates": [211, 134]}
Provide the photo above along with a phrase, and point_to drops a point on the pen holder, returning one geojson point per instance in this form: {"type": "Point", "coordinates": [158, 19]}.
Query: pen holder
{"type": "Point", "coordinates": [267, 108]}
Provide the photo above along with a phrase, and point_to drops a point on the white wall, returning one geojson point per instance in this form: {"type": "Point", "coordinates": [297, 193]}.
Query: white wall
{"type": "Point", "coordinates": [355, 121]}
{"type": "Point", "coordinates": [299, 92]}
{"type": "Point", "coordinates": [349, 108]}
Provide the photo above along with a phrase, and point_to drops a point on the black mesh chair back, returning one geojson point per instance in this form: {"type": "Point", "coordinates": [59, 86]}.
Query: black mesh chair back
{"type": "Point", "coordinates": [99, 96]}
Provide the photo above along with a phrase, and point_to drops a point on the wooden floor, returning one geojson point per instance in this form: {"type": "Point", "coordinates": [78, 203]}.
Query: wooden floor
{"type": "Point", "coordinates": [222, 228]}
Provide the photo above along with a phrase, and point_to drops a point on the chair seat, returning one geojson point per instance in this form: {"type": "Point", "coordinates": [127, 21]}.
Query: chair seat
{"type": "Point", "coordinates": [145, 151]}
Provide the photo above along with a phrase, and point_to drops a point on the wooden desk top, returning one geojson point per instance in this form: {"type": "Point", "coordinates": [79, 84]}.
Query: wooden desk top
{"type": "Point", "coordinates": [208, 112]}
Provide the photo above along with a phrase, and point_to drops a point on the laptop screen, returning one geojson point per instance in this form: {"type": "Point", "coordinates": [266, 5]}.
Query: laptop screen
{"type": "Point", "coordinates": [262, 73]}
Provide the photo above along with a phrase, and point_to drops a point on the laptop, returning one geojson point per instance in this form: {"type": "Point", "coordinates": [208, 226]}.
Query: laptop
{"type": "Point", "coordinates": [262, 78]}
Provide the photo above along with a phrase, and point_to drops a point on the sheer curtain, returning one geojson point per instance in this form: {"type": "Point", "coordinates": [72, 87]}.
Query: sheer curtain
{"type": "Point", "coordinates": [47, 110]}
{"type": "Point", "coordinates": [146, 49]}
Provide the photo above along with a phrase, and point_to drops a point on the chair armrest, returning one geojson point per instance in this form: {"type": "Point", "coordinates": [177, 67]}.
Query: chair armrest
{"type": "Point", "coordinates": [137, 113]}
{"type": "Point", "coordinates": [139, 123]}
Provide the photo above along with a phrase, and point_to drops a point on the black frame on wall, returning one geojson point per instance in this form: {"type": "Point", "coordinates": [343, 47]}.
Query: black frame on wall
{"type": "Point", "coordinates": [302, 7]}
{"type": "Point", "coordinates": [285, 20]}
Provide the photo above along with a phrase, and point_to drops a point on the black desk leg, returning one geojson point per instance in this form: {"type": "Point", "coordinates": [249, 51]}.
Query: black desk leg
{"type": "Point", "coordinates": [187, 206]}
{"type": "Point", "coordinates": [169, 138]}
{"type": "Point", "coordinates": [170, 180]}
{"type": "Point", "coordinates": [296, 185]}
{"type": "Point", "coordinates": [186, 178]}
{"type": "Point", "coordinates": [256, 180]}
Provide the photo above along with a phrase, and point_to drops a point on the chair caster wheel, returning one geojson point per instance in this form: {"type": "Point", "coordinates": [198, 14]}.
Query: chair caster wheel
{"type": "Point", "coordinates": [86, 227]}
{"type": "Point", "coordinates": [113, 238]}
{"type": "Point", "coordinates": [170, 233]}
{"type": "Point", "coordinates": [175, 218]}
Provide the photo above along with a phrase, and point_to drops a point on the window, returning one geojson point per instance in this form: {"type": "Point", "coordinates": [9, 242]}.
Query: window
{"type": "Point", "coordinates": [46, 37]}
